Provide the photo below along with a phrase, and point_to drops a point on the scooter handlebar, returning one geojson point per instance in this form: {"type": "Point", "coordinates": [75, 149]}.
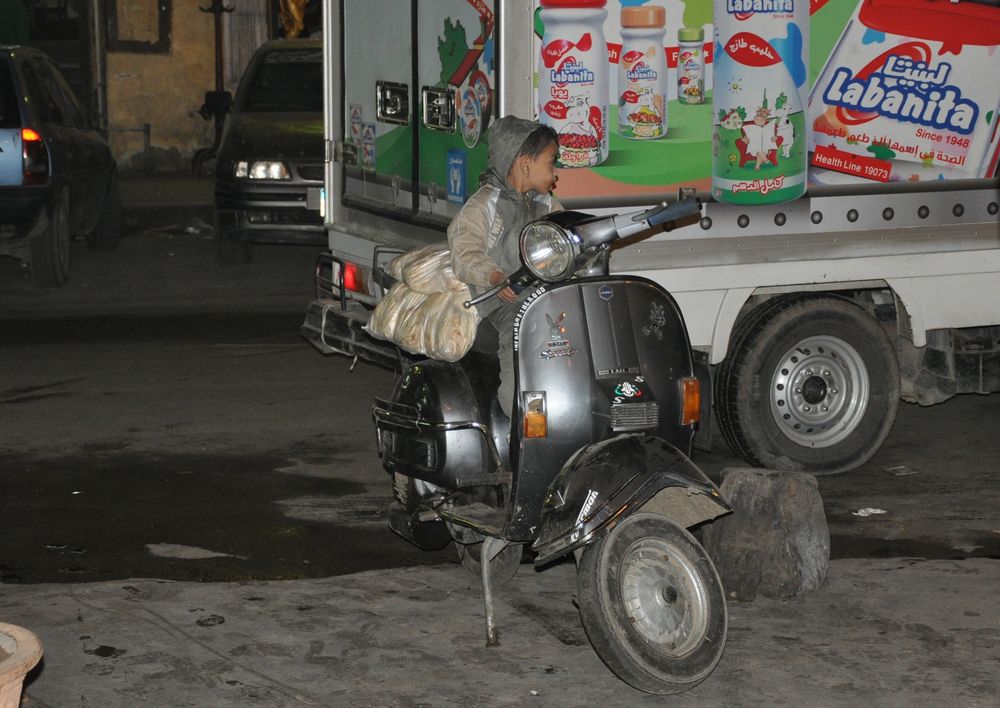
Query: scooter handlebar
{"type": "Point", "coordinates": [674, 212]}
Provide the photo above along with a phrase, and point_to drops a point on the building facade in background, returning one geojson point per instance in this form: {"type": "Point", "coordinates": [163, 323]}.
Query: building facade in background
{"type": "Point", "coordinates": [143, 67]}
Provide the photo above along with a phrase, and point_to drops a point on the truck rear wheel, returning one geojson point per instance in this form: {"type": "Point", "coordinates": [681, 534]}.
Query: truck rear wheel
{"type": "Point", "coordinates": [810, 384]}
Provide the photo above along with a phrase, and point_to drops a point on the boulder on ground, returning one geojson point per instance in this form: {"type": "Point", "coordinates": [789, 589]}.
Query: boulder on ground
{"type": "Point", "coordinates": [776, 542]}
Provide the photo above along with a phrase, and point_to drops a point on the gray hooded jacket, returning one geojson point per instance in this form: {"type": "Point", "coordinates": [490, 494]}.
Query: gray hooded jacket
{"type": "Point", "coordinates": [483, 236]}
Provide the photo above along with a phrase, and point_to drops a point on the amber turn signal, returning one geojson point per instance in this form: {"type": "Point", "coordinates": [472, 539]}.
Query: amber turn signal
{"type": "Point", "coordinates": [535, 420]}
{"type": "Point", "coordinates": [690, 401]}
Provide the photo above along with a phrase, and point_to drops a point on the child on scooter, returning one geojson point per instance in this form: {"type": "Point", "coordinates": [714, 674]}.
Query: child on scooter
{"type": "Point", "coordinates": [483, 237]}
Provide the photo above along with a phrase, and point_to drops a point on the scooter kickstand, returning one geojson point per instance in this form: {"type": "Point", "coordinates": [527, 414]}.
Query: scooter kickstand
{"type": "Point", "coordinates": [491, 547]}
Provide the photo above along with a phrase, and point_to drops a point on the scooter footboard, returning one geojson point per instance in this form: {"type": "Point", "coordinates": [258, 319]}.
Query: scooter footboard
{"type": "Point", "coordinates": [606, 481]}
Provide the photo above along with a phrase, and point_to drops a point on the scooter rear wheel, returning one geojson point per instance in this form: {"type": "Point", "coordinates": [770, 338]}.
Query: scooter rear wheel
{"type": "Point", "coordinates": [652, 605]}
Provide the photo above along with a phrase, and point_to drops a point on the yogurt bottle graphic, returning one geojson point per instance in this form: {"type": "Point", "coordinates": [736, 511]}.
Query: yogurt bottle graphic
{"type": "Point", "coordinates": [642, 73]}
{"type": "Point", "coordinates": [691, 65]}
{"type": "Point", "coordinates": [573, 79]}
{"type": "Point", "coordinates": [759, 145]}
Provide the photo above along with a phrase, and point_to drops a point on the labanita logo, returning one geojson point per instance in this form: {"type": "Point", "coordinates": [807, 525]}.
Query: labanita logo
{"type": "Point", "coordinates": [904, 89]}
{"type": "Point", "coordinates": [742, 9]}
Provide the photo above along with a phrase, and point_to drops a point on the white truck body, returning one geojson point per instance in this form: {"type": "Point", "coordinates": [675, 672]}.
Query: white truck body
{"type": "Point", "coordinates": [922, 258]}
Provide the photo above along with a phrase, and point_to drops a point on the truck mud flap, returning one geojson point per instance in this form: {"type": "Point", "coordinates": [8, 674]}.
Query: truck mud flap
{"type": "Point", "coordinates": [334, 329]}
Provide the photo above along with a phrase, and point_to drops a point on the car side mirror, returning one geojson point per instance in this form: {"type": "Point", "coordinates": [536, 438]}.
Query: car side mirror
{"type": "Point", "coordinates": [217, 104]}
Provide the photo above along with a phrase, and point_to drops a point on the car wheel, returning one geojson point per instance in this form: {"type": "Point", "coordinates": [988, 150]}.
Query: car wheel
{"type": "Point", "coordinates": [810, 383]}
{"type": "Point", "coordinates": [49, 250]}
{"type": "Point", "coordinates": [108, 231]}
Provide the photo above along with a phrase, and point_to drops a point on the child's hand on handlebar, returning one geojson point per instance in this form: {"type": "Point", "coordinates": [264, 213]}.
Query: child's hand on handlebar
{"type": "Point", "coordinates": [507, 295]}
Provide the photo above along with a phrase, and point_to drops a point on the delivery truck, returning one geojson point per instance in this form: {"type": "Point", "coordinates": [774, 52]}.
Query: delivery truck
{"type": "Point", "coordinates": [811, 317]}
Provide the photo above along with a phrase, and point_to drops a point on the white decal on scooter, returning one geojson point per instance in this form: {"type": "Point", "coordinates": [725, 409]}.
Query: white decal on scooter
{"type": "Point", "coordinates": [587, 506]}
{"type": "Point", "coordinates": [657, 318]}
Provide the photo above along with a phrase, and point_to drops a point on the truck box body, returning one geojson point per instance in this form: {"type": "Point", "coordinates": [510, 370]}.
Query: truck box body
{"type": "Point", "coordinates": [900, 217]}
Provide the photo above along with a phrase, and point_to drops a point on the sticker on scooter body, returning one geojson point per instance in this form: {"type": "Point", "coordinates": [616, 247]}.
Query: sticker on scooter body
{"type": "Point", "coordinates": [587, 505]}
{"type": "Point", "coordinates": [558, 344]}
{"type": "Point", "coordinates": [657, 319]}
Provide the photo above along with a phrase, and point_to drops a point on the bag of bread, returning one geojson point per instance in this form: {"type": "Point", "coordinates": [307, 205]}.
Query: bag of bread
{"type": "Point", "coordinates": [385, 319]}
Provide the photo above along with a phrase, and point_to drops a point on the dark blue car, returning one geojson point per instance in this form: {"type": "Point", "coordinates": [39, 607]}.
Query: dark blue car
{"type": "Point", "coordinates": [58, 179]}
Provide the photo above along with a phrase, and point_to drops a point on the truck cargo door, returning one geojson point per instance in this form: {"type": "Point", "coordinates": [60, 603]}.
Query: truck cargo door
{"type": "Point", "coordinates": [378, 104]}
{"type": "Point", "coordinates": [418, 96]}
{"type": "Point", "coordinates": [455, 60]}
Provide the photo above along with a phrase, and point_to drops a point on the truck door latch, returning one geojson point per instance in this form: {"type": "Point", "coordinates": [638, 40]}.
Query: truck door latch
{"type": "Point", "coordinates": [392, 102]}
{"type": "Point", "coordinates": [439, 108]}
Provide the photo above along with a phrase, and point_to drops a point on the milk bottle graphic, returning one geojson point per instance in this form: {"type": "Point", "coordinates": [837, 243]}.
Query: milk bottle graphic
{"type": "Point", "coordinates": [759, 146]}
{"type": "Point", "coordinates": [642, 73]}
{"type": "Point", "coordinates": [573, 79]}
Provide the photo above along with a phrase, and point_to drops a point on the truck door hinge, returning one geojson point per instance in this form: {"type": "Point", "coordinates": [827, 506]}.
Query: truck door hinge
{"type": "Point", "coordinates": [341, 151]}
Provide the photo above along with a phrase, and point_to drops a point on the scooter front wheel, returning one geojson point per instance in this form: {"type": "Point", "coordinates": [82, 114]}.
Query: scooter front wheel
{"type": "Point", "coordinates": [652, 605]}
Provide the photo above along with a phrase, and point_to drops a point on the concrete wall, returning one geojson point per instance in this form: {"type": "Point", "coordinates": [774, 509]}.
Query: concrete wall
{"type": "Point", "coordinates": [164, 90]}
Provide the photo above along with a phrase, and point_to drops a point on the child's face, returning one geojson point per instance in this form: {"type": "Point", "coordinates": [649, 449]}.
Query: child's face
{"type": "Point", "coordinates": [542, 175]}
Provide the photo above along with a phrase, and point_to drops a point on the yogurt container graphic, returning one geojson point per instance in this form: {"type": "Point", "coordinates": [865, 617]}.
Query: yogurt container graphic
{"type": "Point", "coordinates": [691, 65]}
{"type": "Point", "coordinates": [759, 144]}
{"type": "Point", "coordinates": [573, 79]}
{"type": "Point", "coordinates": [906, 94]}
{"type": "Point", "coordinates": [642, 73]}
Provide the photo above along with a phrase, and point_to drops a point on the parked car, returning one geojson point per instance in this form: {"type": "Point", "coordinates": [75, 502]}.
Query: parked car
{"type": "Point", "coordinates": [269, 168]}
{"type": "Point", "coordinates": [58, 179]}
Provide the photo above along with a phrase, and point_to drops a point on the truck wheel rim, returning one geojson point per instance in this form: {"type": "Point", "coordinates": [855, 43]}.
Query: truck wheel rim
{"type": "Point", "coordinates": [819, 391]}
{"type": "Point", "coordinates": [665, 599]}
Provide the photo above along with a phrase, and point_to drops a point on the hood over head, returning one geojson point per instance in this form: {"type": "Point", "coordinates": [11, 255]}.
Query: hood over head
{"type": "Point", "coordinates": [506, 137]}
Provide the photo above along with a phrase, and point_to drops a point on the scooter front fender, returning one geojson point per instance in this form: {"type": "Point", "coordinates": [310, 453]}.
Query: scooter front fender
{"type": "Point", "coordinates": [605, 482]}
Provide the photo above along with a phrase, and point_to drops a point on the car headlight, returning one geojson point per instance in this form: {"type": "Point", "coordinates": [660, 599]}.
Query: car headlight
{"type": "Point", "coordinates": [262, 169]}
{"type": "Point", "coordinates": [548, 251]}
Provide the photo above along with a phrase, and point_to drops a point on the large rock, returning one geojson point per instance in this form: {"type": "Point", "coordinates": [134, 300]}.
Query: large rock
{"type": "Point", "coordinates": [776, 541]}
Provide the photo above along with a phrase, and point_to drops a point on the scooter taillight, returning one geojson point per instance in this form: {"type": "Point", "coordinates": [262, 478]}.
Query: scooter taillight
{"type": "Point", "coordinates": [690, 401]}
{"type": "Point", "coordinates": [34, 158]}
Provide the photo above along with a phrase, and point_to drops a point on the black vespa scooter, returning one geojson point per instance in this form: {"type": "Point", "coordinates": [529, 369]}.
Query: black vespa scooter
{"type": "Point", "coordinates": [594, 462]}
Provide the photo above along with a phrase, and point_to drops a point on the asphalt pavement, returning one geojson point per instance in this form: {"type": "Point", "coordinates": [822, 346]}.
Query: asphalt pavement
{"type": "Point", "coordinates": [884, 631]}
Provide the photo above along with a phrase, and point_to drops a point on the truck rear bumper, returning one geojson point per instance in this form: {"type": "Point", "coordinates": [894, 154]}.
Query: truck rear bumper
{"type": "Point", "coordinates": [336, 329]}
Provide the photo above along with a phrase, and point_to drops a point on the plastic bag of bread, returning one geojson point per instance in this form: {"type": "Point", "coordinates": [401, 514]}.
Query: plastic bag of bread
{"type": "Point", "coordinates": [384, 320]}
{"type": "Point", "coordinates": [426, 270]}
{"type": "Point", "coordinates": [453, 328]}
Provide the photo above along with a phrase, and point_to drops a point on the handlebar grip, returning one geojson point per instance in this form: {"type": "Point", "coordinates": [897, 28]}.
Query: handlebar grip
{"type": "Point", "coordinates": [676, 211]}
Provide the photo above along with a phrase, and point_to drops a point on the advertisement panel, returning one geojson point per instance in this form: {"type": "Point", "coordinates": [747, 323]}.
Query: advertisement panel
{"type": "Point", "coordinates": [863, 92]}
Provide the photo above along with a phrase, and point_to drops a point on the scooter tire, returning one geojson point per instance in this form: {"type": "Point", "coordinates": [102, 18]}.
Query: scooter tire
{"type": "Point", "coordinates": [652, 605]}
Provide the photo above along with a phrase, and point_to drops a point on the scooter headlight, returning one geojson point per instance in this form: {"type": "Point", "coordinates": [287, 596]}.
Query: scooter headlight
{"type": "Point", "coordinates": [548, 251]}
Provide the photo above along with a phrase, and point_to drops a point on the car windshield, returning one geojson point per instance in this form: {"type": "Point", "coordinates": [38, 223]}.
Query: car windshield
{"type": "Point", "coordinates": [287, 81]}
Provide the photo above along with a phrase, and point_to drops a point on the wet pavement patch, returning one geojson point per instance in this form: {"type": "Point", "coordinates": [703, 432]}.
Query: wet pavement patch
{"type": "Point", "coordinates": [120, 514]}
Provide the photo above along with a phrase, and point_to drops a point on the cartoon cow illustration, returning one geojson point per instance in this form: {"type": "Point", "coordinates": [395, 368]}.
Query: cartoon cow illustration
{"type": "Point", "coordinates": [577, 118]}
{"type": "Point", "coordinates": [785, 130]}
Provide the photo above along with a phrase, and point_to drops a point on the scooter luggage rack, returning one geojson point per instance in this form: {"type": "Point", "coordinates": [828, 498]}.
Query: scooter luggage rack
{"type": "Point", "coordinates": [402, 417]}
